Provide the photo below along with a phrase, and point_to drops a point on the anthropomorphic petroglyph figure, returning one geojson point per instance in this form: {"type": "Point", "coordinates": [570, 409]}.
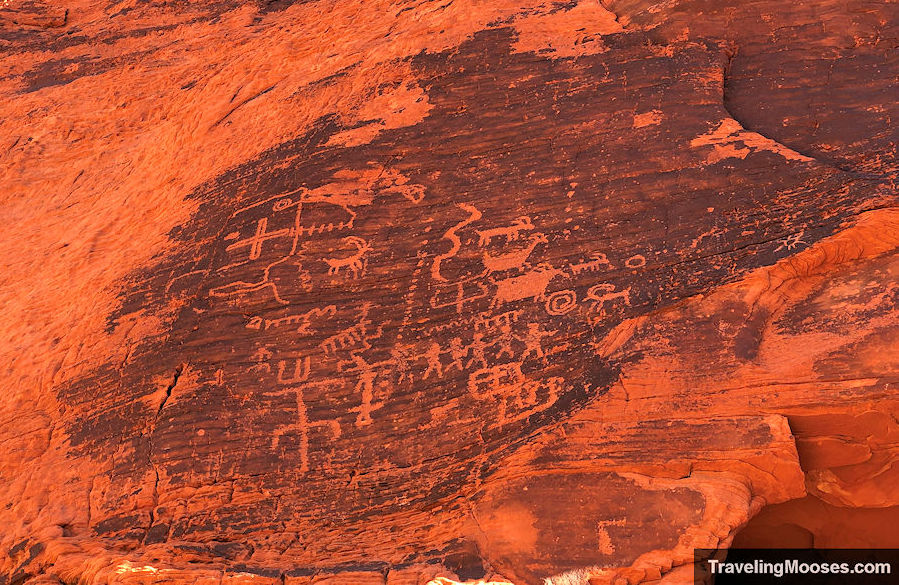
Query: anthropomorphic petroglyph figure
{"type": "Point", "coordinates": [792, 241]}
{"type": "Point", "coordinates": [458, 351]}
{"type": "Point", "coordinates": [365, 387]}
{"type": "Point", "coordinates": [533, 341]}
{"type": "Point", "coordinates": [515, 259]}
{"type": "Point", "coordinates": [476, 350]}
{"type": "Point", "coordinates": [355, 262]}
{"type": "Point", "coordinates": [511, 232]}
{"type": "Point", "coordinates": [432, 356]}
{"type": "Point", "coordinates": [505, 342]}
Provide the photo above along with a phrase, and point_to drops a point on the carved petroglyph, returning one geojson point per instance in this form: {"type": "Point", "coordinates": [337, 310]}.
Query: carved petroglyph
{"type": "Point", "coordinates": [489, 321]}
{"type": "Point", "coordinates": [792, 241]}
{"type": "Point", "coordinates": [603, 293]}
{"type": "Point", "coordinates": [491, 382]}
{"type": "Point", "coordinates": [531, 285]}
{"type": "Point", "coordinates": [303, 425]}
{"type": "Point", "coordinates": [302, 320]}
{"type": "Point", "coordinates": [365, 387]}
{"type": "Point", "coordinates": [452, 236]}
{"type": "Point", "coordinates": [355, 262]}
{"type": "Point", "coordinates": [456, 294]}
{"type": "Point", "coordinates": [604, 541]}
{"type": "Point", "coordinates": [301, 369]}
{"type": "Point", "coordinates": [635, 261]}
{"type": "Point", "coordinates": [514, 259]}
{"type": "Point", "coordinates": [516, 397]}
{"type": "Point", "coordinates": [254, 243]}
{"type": "Point", "coordinates": [598, 262]}
{"type": "Point", "coordinates": [533, 341]}
{"type": "Point", "coordinates": [561, 302]}
{"type": "Point", "coordinates": [510, 232]}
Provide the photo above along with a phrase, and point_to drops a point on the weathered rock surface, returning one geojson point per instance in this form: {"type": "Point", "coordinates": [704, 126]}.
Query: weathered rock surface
{"type": "Point", "coordinates": [424, 291]}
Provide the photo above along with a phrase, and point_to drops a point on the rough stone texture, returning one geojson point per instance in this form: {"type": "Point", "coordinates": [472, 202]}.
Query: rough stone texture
{"type": "Point", "coordinates": [408, 292]}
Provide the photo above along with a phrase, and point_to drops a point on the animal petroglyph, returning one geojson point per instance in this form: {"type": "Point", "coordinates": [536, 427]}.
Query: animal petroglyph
{"type": "Point", "coordinates": [531, 285]}
{"type": "Point", "coordinates": [604, 293]}
{"type": "Point", "coordinates": [514, 259]}
{"type": "Point", "coordinates": [792, 241]}
{"type": "Point", "coordinates": [598, 262]}
{"type": "Point", "coordinates": [355, 262]}
{"type": "Point", "coordinates": [510, 232]}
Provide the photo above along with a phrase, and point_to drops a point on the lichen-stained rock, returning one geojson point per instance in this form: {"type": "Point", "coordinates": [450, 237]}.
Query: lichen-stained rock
{"type": "Point", "coordinates": [411, 292]}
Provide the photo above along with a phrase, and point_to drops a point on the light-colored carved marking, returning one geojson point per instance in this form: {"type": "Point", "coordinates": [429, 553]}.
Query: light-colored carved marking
{"type": "Point", "coordinates": [458, 351]}
{"type": "Point", "coordinates": [492, 381]}
{"type": "Point", "coordinates": [515, 259]}
{"type": "Point", "coordinates": [304, 319]}
{"type": "Point", "coordinates": [458, 293]}
{"type": "Point", "coordinates": [301, 369]}
{"type": "Point", "coordinates": [365, 386]}
{"type": "Point", "coordinates": [303, 425]}
{"type": "Point", "coordinates": [473, 216]}
{"type": "Point", "coordinates": [504, 341]}
{"type": "Point", "coordinates": [476, 350]}
{"type": "Point", "coordinates": [432, 356]}
{"type": "Point", "coordinates": [491, 321]}
{"type": "Point", "coordinates": [261, 357]}
{"type": "Point", "coordinates": [347, 338]}
{"type": "Point", "coordinates": [635, 261]}
{"type": "Point", "coordinates": [282, 204]}
{"type": "Point", "coordinates": [353, 336]}
{"type": "Point", "coordinates": [792, 241]}
{"type": "Point", "coordinates": [533, 341]}
{"type": "Point", "coordinates": [604, 293]}
{"type": "Point", "coordinates": [510, 232]}
{"type": "Point", "coordinates": [599, 261]}
{"type": "Point", "coordinates": [531, 285]}
{"type": "Point", "coordinates": [561, 302]}
{"type": "Point", "coordinates": [355, 263]}
{"type": "Point", "coordinates": [604, 541]}
{"type": "Point", "coordinates": [324, 228]}
{"type": "Point", "coordinates": [260, 237]}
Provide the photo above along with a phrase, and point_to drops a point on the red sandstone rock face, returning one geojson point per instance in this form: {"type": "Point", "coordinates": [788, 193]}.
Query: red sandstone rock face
{"type": "Point", "coordinates": [410, 292]}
